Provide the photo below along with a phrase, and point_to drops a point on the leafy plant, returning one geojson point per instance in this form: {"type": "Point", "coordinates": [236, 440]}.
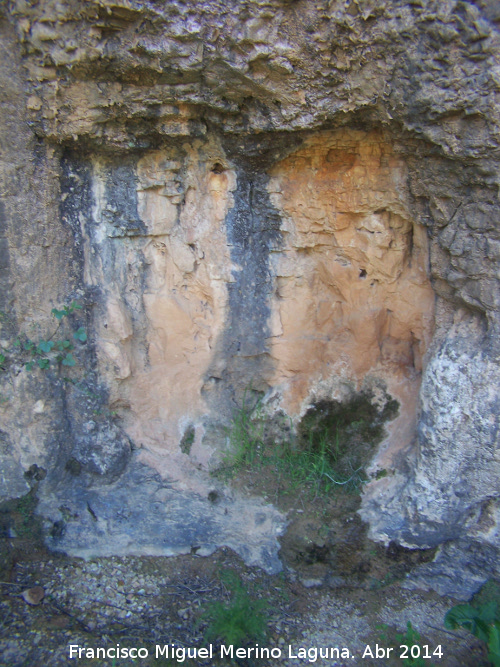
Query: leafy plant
{"type": "Point", "coordinates": [65, 310]}
{"type": "Point", "coordinates": [484, 623]}
{"type": "Point", "coordinates": [46, 351]}
{"type": "Point", "coordinates": [241, 619]}
{"type": "Point", "coordinates": [410, 638]}
{"type": "Point", "coordinates": [20, 513]}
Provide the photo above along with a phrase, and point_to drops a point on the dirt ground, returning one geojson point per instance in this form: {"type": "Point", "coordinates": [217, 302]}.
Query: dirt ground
{"type": "Point", "coordinates": [340, 599]}
{"type": "Point", "coordinates": [145, 602]}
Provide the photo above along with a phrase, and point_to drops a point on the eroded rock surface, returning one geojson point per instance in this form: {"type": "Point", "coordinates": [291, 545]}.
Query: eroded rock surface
{"type": "Point", "coordinates": [106, 521]}
{"type": "Point", "coordinates": [290, 200]}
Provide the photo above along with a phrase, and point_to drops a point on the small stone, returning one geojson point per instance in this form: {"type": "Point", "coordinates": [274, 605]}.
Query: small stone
{"type": "Point", "coordinates": [311, 583]}
{"type": "Point", "coordinates": [34, 103]}
{"type": "Point", "coordinates": [33, 595]}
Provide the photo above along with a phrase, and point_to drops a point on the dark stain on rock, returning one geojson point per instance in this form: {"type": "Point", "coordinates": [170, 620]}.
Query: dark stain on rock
{"type": "Point", "coordinates": [348, 431]}
{"type": "Point", "coordinates": [76, 199]}
{"type": "Point", "coordinates": [6, 324]}
{"type": "Point", "coordinates": [85, 402]}
{"type": "Point", "coordinates": [120, 210]}
{"type": "Point", "coordinates": [187, 440]}
{"type": "Point", "coordinates": [253, 228]}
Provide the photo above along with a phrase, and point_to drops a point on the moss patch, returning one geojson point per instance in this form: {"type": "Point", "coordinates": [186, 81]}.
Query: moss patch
{"type": "Point", "coordinates": [348, 431]}
{"type": "Point", "coordinates": [187, 440]}
{"type": "Point", "coordinates": [20, 532]}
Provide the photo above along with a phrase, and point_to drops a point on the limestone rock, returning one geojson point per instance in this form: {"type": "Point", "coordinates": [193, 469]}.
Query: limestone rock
{"type": "Point", "coordinates": [292, 200]}
{"type": "Point", "coordinates": [452, 491]}
{"type": "Point", "coordinates": [144, 513]}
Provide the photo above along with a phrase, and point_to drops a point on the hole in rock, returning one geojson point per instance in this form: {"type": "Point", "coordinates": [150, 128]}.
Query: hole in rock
{"type": "Point", "coordinates": [73, 466]}
{"type": "Point", "coordinates": [218, 168]}
{"type": "Point", "coordinates": [213, 497]}
{"type": "Point", "coordinates": [315, 553]}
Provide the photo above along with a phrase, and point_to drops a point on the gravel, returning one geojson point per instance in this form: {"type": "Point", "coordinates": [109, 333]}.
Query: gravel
{"type": "Point", "coordinates": [149, 601]}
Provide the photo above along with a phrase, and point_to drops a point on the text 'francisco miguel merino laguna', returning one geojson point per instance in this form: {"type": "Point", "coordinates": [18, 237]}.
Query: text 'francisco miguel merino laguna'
{"type": "Point", "coordinates": [182, 653]}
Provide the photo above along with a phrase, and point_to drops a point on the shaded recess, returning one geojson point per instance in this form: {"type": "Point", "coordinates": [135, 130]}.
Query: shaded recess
{"type": "Point", "coordinates": [347, 431]}
{"type": "Point", "coordinates": [352, 293]}
{"type": "Point", "coordinates": [282, 268]}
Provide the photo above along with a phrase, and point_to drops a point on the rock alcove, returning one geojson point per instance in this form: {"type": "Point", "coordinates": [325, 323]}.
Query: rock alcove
{"type": "Point", "coordinates": [302, 281]}
{"type": "Point", "coordinates": [290, 267]}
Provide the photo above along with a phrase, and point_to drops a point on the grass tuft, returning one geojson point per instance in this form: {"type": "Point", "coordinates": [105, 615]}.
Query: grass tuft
{"type": "Point", "coordinates": [238, 621]}
{"type": "Point", "coordinates": [320, 462]}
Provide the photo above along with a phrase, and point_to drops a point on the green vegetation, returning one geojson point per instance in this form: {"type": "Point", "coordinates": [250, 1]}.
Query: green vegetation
{"type": "Point", "coordinates": [411, 638]}
{"type": "Point", "coordinates": [187, 440]}
{"type": "Point", "coordinates": [245, 439]}
{"type": "Point", "coordinates": [44, 352]}
{"type": "Point", "coordinates": [21, 511]}
{"type": "Point", "coordinates": [358, 421]}
{"type": "Point", "coordinates": [408, 646]}
{"type": "Point", "coordinates": [347, 433]}
{"type": "Point", "coordinates": [322, 469]}
{"type": "Point", "coordinates": [23, 527]}
{"type": "Point", "coordinates": [483, 621]}
{"type": "Point", "coordinates": [240, 620]}
{"type": "Point", "coordinates": [334, 442]}
{"type": "Point", "coordinates": [297, 466]}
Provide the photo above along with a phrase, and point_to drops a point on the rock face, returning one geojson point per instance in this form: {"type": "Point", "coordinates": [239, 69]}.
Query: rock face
{"type": "Point", "coordinates": [293, 200]}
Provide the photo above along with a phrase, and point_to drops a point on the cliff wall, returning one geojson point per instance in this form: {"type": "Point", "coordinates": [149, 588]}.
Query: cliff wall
{"type": "Point", "coordinates": [289, 199]}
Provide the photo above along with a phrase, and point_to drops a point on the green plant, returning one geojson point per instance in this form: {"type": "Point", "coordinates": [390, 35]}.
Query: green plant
{"type": "Point", "coordinates": [406, 642]}
{"type": "Point", "coordinates": [48, 351]}
{"type": "Point", "coordinates": [21, 513]}
{"type": "Point", "coordinates": [25, 508]}
{"type": "Point", "coordinates": [411, 638]}
{"type": "Point", "coordinates": [187, 440]}
{"type": "Point", "coordinates": [241, 619]}
{"type": "Point", "coordinates": [325, 452]}
{"type": "Point", "coordinates": [319, 463]}
{"type": "Point", "coordinates": [244, 436]}
{"type": "Point", "coordinates": [315, 467]}
{"type": "Point", "coordinates": [484, 623]}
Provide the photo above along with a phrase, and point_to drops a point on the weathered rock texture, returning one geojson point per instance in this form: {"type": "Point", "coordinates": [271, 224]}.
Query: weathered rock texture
{"type": "Point", "coordinates": [292, 198]}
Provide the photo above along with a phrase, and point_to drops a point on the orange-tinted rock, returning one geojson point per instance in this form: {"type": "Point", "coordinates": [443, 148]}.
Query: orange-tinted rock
{"type": "Point", "coordinates": [353, 297]}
